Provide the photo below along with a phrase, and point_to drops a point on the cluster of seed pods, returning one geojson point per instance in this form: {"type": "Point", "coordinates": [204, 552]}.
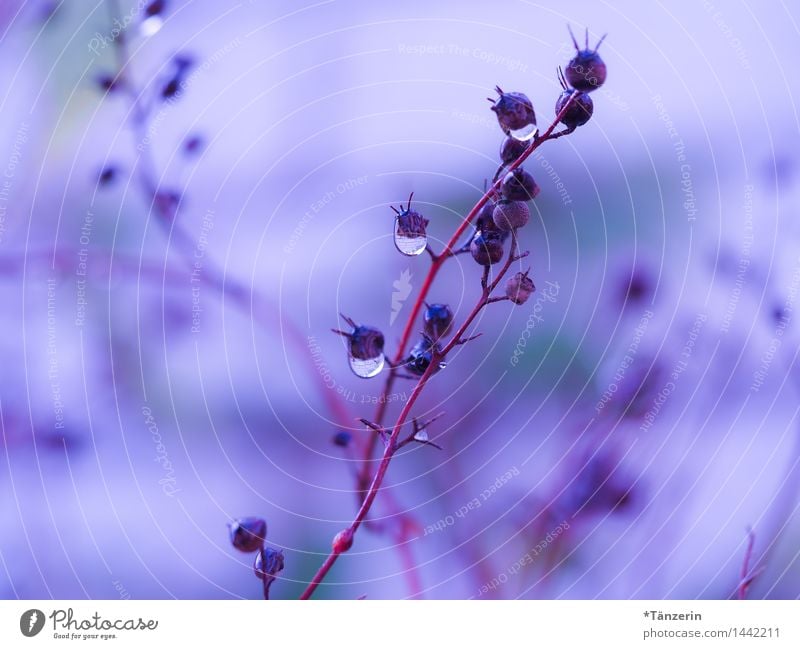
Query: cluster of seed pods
{"type": "Point", "coordinates": [506, 212]}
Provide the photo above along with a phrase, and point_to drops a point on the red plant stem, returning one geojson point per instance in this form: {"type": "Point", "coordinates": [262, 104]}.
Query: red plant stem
{"type": "Point", "coordinates": [437, 262]}
{"type": "Point", "coordinates": [391, 444]}
{"type": "Point", "coordinates": [745, 574]}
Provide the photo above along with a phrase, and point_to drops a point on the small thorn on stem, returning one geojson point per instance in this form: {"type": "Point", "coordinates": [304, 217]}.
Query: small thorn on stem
{"type": "Point", "coordinates": [464, 341]}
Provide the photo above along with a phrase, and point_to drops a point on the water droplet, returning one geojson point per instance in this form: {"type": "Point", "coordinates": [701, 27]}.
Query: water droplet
{"type": "Point", "coordinates": [525, 133]}
{"type": "Point", "coordinates": [410, 244]}
{"type": "Point", "coordinates": [151, 26]}
{"type": "Point", "coordinates": [367, 368]}
{"type": "Point", "coordinates": [421, 435]}
{"type": "Point", "coordinates": [442, 365]}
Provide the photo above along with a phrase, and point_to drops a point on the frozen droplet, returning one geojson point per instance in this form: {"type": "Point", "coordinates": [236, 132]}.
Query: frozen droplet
{"type": "Point", "coordinates": [409, 242]}
{"type": "Point", "coordinates": [421, 435]}
{"type": "Point", "coordinates": [367, 368]}
{"type": "Point", "coordinates": [525, 133]}
{"type": "Point", "coordinates": [150, 26]}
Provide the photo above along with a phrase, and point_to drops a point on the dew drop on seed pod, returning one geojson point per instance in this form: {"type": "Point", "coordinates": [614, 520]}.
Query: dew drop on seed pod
{"type": "Point", "coordinates": [410, 244]}
{"type": "Point", "coordinates": [525, 133]}
{"type": "Point", "coordinates": [367, 368]}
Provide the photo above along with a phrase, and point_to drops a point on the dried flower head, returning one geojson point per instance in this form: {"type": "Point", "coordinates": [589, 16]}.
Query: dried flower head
{"type": "Point", "coordinates": [438, 320]}
{"type": "Point", "coordinates": [580, 109]}
{"type": "Point", "coordinates": [511, 149]}
{"type": "Point", "coordinates": [487, 247]}
{"type": "Point", "coordinates": [510, 215]}
{"type": "Point", "coordinates": [342, 438]}
{"type": "Point", "coordinates": [421, 356]}
{"type": "Point", "coordinates": [586, 70]}
{"type": "Point", "coordinates": [248, 534]}
{"type": "Point", "coordinates": [410, 230]}
{"type": "Point", "coordinates": [514, 112]}
{"type": "Point", "coordinates": [519, 185]}
{"type": "Point", "coordinates": [519, 288]}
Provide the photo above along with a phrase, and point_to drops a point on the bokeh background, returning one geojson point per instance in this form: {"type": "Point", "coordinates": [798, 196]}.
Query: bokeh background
{"type": "Point", "coordinates": [651, 419]}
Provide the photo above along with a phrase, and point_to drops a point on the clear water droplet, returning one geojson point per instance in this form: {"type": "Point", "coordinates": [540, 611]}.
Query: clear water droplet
{"type": "Point", "coordinates": [368, 368]}
{"type": "Point", "coordinates": [525, 133]}
{"type": "Point", "coordinates": [442, 365]}
{"type": "Point", "coordinates": [151, 26]}
{"type": "Point", "coordinates": [409, 245]}
{"type": "Point", "coordinates": [421, 435]}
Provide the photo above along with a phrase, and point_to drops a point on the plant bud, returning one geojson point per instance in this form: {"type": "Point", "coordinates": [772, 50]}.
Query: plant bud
{"type": "Point", "coordinates": [343, 541]}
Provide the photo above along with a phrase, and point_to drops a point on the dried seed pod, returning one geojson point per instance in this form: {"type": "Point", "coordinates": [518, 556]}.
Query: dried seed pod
{"type": "Point", "coordinates": [438, 320]}
{"type": "Point", "coordinates": [364, 348]}
{"type": "Point", "coordinates": [487, 248]}
{"type": "Point", "coordinates": [580, 109]}
{"type": "Point", "coordinates": [586, 71]}
{"type": "Point", "coordinates": [248, 534]}
{"type": "Point", "coordinates": [410, 230]}
{"type": "Point", "coordinates": [269, 562]}
{"type": "Point", "coordinates": [519, 288]}
{"type": "Point", "coordinates": [511, 149]}
{"type": "Point", "coordinates": [342, 438]}
{"type": "Point", "coordinates": [421, 356]}
{"type": "Point", "coordinates": [510, 215]}
{"type": "Point", "coordinates": [515, 114]}
{"type": "Point", "coordinates": [519, 185]}
{"type": "Point", "coordinates": [107, 175]}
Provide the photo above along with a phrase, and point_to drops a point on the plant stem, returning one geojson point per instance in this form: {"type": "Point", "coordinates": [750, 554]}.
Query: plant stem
{"type": "Point", "coordinates": [391, 444]}
{"type": "Point", "coordinates": [437, 262]}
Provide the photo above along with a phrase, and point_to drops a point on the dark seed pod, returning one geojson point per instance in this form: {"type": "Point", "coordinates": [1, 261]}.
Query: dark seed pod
{"type": "Point", "coordinates": [519, 288]}
{"type": "Point", "coordinates": [421, 356]}
{"type": "Point", "coordinates": [514, 110]}
{"type": "Point", "coordinates": [579, 111]}
{"type": "Point", "coordinates": [107, 176]}
{"type": "Point", "coordinates": [154, 8]}
{"type": "Point", "coordinates": [485, 222]}
{"type": "Point", "coordinates": [510, 215]}
{"type": "Point", "coordinates": [364, 343]}
{"type": "Point", "coordinates": [511, 149]}
{"type": "Point", "coordinates": [269, 562]}
{"type": "Point", "coordinates": [438, 320]}
{"type": "Point", "coordinates": [519, 185]}
{"type": "Point", "coordinates": [586, 71]}
{"type": "Point", "coordinates": [580, 108]}
{"type": "Point", "coordinates": [108, 82]}
{"type": "Point", "coordinates": [342, 438]}
{"type": "Point", "coordinates": [248, 534]}
{"type": "Point", "coordinates": [410, 230]}
{"type": "Point", "coordinates": [487, 248]}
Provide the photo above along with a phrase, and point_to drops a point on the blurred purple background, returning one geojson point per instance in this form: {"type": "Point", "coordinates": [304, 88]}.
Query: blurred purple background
{"type": "Point", "coordinates": [650, 420]}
